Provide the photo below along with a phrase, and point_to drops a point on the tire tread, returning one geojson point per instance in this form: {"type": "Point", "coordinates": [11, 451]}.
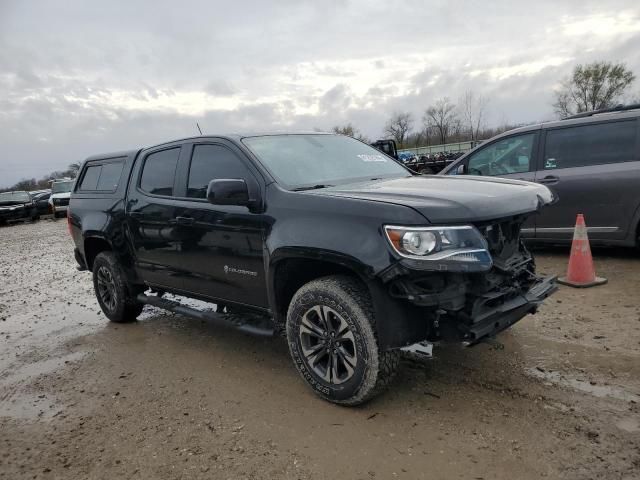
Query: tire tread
{"type": "Point", "coordinates": [130, 308]}
{"type": "Point", "coordinates": [387, 361]}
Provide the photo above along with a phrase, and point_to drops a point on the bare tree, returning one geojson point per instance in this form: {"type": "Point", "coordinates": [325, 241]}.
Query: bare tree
{"type": "Point", "coordinates": [74, 168]}
{"type": "Point", "coordinates": [399, 126]}
{"type": "Point", "coordinates": [473, 107]}
{"type": "Point", "coordinates": [350, 131]}
{"type": "Point", "coordinates": [441, 118]}
{"type": "Point", "coordinates": [591, 87]}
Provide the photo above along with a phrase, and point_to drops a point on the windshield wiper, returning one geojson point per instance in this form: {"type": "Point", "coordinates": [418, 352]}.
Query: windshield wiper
{"type": "Point", "coordinates": [314, 187]}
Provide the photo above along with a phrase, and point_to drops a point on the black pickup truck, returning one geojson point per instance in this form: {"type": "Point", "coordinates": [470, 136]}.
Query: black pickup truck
{"type": "Point", "coordinates": [317, 236]}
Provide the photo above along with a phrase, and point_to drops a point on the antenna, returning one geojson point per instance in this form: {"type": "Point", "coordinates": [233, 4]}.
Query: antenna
{"type": "Point", "coordinates": [199, 128]}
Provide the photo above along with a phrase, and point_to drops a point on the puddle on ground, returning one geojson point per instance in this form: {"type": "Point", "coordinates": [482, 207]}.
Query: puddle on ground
{"type": "Point", "coordinates": [16, 403]}
{"type": "Point", "coordinates": [28, 407]}
{"type": "Point", "coordinates": [600, 391]}
{"type": "Point", "coordinates": [38, 367]}
{"type": "Point", "coordinates": [629, 424]}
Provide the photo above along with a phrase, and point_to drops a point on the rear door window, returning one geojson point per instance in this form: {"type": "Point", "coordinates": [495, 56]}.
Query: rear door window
{"type": "Point", "coordinates": [509, 155]}
{"type": "Point", "coordinates": [159, 172]}
{"type": "Point", "coordinates": [586, 145]}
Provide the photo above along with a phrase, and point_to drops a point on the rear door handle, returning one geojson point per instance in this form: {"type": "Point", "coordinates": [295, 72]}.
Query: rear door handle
{"type": "Point", "coordinates": [549, 180]}
{"type": "Point", "coordinates": [185, 220]}
{"type": "Point", "coordinates": [135, 214]}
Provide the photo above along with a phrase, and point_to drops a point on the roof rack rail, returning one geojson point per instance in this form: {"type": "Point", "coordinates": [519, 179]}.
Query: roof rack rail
{"type": "Point", "coordinates": [618, 108]}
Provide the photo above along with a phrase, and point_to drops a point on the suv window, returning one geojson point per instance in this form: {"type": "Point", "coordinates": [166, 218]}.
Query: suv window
{"type": "Point", "coordinates": [509, 155]}
{"type": "Point", "coordinates": [585, 145]}
{"type": "Point", "coordinates": [159, 172]}
{"type": "Point", "coordinates": [103, 177]}
{"type": "Point", "coordinates": [210, 162]}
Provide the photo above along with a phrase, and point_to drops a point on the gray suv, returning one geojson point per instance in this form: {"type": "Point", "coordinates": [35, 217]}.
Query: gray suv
{"type": "Point", "coordinates": [591, 162]}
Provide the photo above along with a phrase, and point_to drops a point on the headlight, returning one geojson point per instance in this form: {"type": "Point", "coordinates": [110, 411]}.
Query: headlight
{"type": "Point", "coordinates": [455, 248]}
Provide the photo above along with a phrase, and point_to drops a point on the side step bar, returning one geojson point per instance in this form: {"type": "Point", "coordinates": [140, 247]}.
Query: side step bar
{"type": "Point", "coordinates": [222, 319]}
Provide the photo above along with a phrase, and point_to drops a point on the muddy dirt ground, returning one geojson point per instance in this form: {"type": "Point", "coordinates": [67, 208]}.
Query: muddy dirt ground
{"type": "Point", "coordinates": [173, 398]}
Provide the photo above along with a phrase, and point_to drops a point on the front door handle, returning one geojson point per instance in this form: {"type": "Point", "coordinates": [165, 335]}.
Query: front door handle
{"type": "Point", "coordinates": [135, 214]}
{"type": "Point", "coordinates": [549, 180]}
{"type": "Point", "coordinates": [185, 220]}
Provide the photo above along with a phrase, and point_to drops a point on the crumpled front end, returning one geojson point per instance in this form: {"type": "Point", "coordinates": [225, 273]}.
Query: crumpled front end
{"type": "Point", "coordinates": [468, 307]}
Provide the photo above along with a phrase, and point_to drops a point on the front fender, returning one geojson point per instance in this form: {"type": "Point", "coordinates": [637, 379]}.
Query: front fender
{"type": "Point", "coordinates": [348, 233]}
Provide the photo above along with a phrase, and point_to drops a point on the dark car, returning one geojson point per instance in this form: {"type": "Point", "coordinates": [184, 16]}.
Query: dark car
{"type": "Point", "coordinates": [17, 206]}
{"type": "Point", "coordinates": [41, 200]}
{"type": "Point", "coordinates": [317, 235]}
{"type": "Point", "coordinates": [590, 161]}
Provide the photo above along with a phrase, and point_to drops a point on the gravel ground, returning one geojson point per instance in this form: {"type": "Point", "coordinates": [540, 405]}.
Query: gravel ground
{"type": "Point", "coordinates": [173, 398]}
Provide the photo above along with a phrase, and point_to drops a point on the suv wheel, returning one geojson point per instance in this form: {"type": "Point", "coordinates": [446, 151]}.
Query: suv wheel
{"type": "Point", "coordinates": [115, 296]}
{"type": "Point", "coordinates": [331, 337]}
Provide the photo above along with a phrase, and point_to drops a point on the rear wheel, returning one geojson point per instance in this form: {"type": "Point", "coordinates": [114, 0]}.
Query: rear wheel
{"type": "Point", "coordinates": [332, 340]}
{"type": "Point", "coordinates": [115, 295]}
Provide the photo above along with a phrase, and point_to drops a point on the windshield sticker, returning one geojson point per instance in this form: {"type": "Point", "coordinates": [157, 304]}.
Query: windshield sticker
{"type": "Point", "coordinates": [550, 163]}
{"type": "Point", "coordinates": [372, 158]}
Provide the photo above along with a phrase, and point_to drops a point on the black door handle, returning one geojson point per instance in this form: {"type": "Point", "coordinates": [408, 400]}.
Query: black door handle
{"type": "Point", "coordinates": [549, 179]}
{"type": "Point", "coordinates": [185, 220]}
{"type": "Point", "coordinates": [135, 214]}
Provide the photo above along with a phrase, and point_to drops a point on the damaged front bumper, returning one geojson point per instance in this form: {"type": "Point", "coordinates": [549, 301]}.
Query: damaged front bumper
{"type": "Point", "coordinates": [462, 306]}
{"type": "Point", "coordinates": [493, 321]}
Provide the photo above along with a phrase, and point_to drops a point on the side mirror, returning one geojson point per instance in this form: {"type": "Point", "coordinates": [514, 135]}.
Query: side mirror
{"type": "Point", "coordinates": [461, 170]}
{"type": "Point", "coordinates": [232, 191]}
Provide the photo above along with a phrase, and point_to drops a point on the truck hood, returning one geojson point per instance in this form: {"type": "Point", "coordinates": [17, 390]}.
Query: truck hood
{"type": "Point", "coordinates": [451, 199]}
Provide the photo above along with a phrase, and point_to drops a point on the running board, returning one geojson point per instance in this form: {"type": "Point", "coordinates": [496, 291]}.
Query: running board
{"type": "Point", "coordinates": [223, 319]}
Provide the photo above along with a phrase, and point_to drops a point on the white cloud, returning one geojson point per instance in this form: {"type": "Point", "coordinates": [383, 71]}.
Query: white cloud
{"type": "Point", "coordinates": [602, 26]}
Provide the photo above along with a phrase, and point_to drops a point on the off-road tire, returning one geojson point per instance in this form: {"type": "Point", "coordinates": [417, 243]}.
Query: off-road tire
{"type": "Point", "coordinates": [374, 369]}
{"type": "Point", "coordinates": [124, 308]}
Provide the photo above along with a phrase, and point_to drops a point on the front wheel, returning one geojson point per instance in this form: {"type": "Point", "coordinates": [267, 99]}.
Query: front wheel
{"type": "Point", "coordinates": [332, 340]}
{"type": "Point", "coordinates": [115, 295]}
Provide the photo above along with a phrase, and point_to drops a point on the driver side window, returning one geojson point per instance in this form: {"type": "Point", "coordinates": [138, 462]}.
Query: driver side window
{"type": "Point", "coordinates": [209, 162]}
{"type": "Point", "coordinates": [506, 156]}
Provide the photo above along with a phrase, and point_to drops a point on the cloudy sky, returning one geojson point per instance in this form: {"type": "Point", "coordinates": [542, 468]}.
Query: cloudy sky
{"type": "Point", "coordinates": [80, 77]}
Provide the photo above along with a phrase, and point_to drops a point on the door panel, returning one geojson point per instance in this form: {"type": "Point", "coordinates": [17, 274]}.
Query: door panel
{"type": "Point", "coordinates": [607, 195]}
{"type": "Point", "coordinates": [221, 252]}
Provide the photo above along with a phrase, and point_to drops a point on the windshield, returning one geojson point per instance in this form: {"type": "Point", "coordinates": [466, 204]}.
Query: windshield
{"type": "Point", "coordinates": [61, 187]}
{"type": "Point", "coordinates": [311, 160]}
{"type": "Point", "coordinates": [22, 197]}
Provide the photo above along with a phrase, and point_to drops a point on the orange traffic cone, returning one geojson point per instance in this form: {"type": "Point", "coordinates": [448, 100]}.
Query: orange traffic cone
{"type": "Point", "coordinates": [581, 273]}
